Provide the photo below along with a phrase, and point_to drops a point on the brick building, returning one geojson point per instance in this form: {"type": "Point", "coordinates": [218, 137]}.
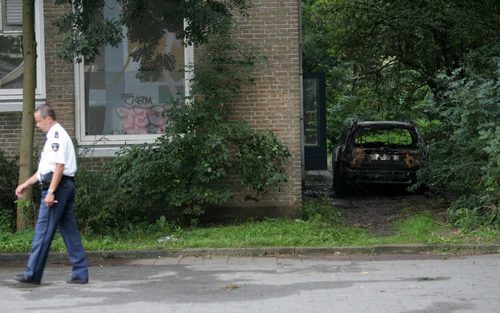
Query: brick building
{"type": "Point", "coordinates": [104, 99]}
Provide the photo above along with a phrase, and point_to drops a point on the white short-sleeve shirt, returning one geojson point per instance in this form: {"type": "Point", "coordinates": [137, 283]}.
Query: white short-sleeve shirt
{"type": "Point", "coordinates": [57, 149]}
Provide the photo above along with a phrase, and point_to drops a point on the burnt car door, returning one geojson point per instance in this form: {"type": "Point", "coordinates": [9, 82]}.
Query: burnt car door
{"type": "Point", "coordinates": [340, 159]}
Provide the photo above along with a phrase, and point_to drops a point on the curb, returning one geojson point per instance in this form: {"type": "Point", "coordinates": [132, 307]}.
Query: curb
{"type": "Point", "coordinates": [438, 249]}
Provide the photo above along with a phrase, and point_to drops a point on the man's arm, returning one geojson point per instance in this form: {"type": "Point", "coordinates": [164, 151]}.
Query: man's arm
{"type": "Point", "coordinates": [21, 189]}
{"type": "Point", "coordinates": [54, 183]}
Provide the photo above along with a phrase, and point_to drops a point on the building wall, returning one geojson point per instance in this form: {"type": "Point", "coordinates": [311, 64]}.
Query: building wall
{"type": "Point", "coordinates": [10, 133]}
{"type": "Point", "coordinates": [272, 103]}
{"type": "Point", "coordinates": [59, 77]}
{"type": "Point", "coordinates": [59, 74]}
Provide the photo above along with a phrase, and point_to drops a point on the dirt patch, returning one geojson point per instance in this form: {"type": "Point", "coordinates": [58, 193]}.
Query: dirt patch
{"type": "Point", "coordinates": [375, 209]}
{"type": "Point", "coordinates": [378, 213]}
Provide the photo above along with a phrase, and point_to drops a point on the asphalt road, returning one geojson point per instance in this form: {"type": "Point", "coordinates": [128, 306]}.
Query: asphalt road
{"type": "Point", "coordinates": [392, 284]}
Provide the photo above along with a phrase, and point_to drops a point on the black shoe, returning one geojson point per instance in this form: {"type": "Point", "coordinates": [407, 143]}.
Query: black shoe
{"type": "Point", "coordinates": [74, 280]}
{"type": "Point", "coordinates": [25, 280]}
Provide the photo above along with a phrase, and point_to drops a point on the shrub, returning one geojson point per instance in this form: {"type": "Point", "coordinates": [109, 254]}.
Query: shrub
{"type": "Point", "coordinates": [464, 145]}
{"type": "Point", "coordinates": [8, 183]}
{"type": "Point", "coordinates": [472, 211]}
{"type": "Point", "coordinates": [93, 201]}
{"type": "Point", "coordinates": [183, 174]}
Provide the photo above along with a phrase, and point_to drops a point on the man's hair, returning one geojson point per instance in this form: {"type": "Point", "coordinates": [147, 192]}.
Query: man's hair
{"type": "Point", "coordinates": [46, 110]}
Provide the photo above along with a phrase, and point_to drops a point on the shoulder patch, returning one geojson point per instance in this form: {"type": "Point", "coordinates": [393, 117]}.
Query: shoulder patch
{"type": "Point", "coordinates": [55, 147]}
{"type": "Point", "coordinates": [56, 135]}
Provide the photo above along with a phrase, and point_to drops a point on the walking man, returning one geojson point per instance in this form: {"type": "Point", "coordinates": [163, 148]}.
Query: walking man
{"type": "Point", "coordinates": [56, 171]}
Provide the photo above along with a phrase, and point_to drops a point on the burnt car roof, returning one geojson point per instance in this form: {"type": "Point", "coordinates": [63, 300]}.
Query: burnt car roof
{"type": "Point", "coordinates": [385, 124]}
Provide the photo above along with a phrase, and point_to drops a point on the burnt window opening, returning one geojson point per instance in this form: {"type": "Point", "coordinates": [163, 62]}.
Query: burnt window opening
{"type": "Point", "coordinates": [389, 137]}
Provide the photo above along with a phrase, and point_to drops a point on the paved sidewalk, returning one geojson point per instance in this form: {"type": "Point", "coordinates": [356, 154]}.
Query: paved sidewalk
{"type": "Point", "coordinates": [356, 283]}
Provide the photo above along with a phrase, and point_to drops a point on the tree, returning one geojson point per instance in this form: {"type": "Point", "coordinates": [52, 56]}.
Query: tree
{"type": "Point", "coordinates": [423, 37]}
{"type": "Point", "coordinates": [85, 29]}
{"type": "Point", "coordinates": [29, 85]}
{"type": "Point", "coordinates": [388, 53]}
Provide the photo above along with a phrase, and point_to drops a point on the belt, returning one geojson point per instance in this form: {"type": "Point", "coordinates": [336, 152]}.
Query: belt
{"type": "Point", "coordinates": [46, 183]}
{"type": "Point", "coordinates": [67, 178]}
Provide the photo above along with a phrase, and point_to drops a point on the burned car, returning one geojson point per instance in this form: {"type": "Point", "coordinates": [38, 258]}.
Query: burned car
{"type": "Point", "coordinates": [378, 152]}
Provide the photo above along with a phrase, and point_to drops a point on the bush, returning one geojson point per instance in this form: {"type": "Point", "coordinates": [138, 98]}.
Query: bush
{"type": "Point", "coordinates": [464, 145]}
{"type": "Point", "coordinates": [183, 174]}
{"type": "Point", "coordinates": [8, 183]}
{"type": "Point", "coordinates": [471, 212]}
{"type": "Point", "coordinates": [94, 200]}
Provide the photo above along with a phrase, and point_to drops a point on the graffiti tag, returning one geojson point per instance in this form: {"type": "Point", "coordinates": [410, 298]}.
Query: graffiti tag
{"type": "Point", "coordinates": [131, 99]}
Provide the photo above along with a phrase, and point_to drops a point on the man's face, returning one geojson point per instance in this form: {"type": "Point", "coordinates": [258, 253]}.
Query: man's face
{"type": "Point", "coordinates": [43, 123]}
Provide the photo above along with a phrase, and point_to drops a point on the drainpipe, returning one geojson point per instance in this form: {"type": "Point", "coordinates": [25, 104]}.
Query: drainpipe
{"type": "Point", "coordinates": [301, 75]}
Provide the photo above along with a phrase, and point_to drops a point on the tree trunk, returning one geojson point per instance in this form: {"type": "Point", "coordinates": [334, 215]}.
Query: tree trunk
{"type": "Point", "coordinates": [27, 127]}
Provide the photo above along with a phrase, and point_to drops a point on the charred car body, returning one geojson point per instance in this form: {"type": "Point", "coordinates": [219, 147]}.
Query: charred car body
{"type": "Point", "coordinates": [380, 152]}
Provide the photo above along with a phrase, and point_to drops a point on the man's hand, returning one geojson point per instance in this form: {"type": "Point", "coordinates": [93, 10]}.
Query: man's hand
{"type": "Point", "coordinates": [21, 189]}
{"type": "Point", "coordinates": [49, 200]}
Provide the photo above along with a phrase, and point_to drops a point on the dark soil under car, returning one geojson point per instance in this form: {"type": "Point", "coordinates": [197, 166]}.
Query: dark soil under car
{"type": "Point", "coordinates": [374, 208]}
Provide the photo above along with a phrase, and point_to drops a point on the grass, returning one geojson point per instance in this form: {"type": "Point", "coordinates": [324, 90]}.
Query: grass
{"type": "Point", "coordinates": [320, 227]}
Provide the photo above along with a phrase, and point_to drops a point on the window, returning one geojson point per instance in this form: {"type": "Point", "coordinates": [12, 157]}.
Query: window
{"type": "Point", "coordinates": [114, 104]}
{"type": "Point", "coordinates": [11, 57]}
{"type": "Point", "coordinates": [311, 115]}
{"type": "Point", "coordinates": [393, 137]}
{"type": "Point", "coordinates": [12, 15]}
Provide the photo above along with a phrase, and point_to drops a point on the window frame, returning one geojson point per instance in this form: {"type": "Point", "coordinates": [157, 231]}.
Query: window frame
{"type": "Point", "coordinates": [122, 139]}
{"type": "Point", "coordinates": [11, 100]}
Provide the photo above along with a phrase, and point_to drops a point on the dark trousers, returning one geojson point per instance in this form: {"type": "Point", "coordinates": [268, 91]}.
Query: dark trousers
{"type": "Point", "coordinates": [49, 219]}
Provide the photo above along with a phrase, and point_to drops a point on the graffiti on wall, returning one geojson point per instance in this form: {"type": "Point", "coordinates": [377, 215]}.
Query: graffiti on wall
{"type": "Point", "coordinates": [139, 116]}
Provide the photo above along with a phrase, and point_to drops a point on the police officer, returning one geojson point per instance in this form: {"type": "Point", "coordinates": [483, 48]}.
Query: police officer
{"type": "Point", "coordinates": [56, 172]}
